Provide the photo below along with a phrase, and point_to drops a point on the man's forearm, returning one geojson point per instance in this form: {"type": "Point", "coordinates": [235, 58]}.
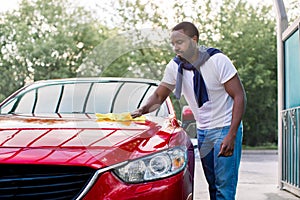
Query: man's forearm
{"type": "Point", "coordinates": [154, 101]}
{"type": "Point", "coordinates": [238, 111]}
{"type": "Point", "coordinates": [152, 104]}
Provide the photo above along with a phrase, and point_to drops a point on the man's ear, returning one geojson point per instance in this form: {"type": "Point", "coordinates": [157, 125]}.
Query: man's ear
{"type": "Point", "coordinates": [195, 38]}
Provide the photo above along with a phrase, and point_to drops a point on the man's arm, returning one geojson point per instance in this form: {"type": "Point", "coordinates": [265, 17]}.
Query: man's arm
{"type": "Point", "coordinates": [155, 100]}
{"type": "Point", "coordinates": [236, 90]}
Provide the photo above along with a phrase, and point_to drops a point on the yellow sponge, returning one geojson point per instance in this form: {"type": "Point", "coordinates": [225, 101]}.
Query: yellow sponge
{"type": "Point", "coordinates": [118, 117]}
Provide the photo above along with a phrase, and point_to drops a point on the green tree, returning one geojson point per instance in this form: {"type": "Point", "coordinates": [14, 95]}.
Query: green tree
{"type": "Point", "coordinates": [293, 11]}
{"type": "Point", "coordinates": [45, 39]}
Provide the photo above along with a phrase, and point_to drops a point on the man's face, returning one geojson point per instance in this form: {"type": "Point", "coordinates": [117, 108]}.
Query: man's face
{"type": "Point", "coordinates": [183, 45]}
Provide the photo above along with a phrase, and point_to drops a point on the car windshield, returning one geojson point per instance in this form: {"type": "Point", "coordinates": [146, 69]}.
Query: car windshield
{"type": "Point", "coordinates": [83, 97]}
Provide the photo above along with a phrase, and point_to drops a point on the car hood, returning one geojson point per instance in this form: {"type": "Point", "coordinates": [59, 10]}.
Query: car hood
{"type": "Point", "coordinates": [74, 140]}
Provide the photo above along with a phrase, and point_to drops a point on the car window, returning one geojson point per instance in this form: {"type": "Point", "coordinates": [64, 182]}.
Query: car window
{"type": "Point", "coordinates": [74, 97]}
{"type": "Point", "coordinates": [120, 97]}
{"type": "Point", "coordinates": [47, 98]}
{"type": "Point", "coordinates": [26, 103]}
{"type": "Point", "coordinates": [104, 97]}
{"type": "Point", "coordinates": [101, 96]}
{"type": "Point", "coordinates": [8, 106]}
{"type": "Point", "coordinates": [129, 96]}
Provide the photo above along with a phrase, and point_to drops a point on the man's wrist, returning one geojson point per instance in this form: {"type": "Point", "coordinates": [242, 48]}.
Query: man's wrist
{"type": "Point", "coordinates": [142, 110]}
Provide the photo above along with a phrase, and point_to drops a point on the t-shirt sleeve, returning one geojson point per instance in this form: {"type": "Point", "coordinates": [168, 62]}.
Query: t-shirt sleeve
{"type": "Point", "coordinates": [225, 67]}
{"type": "Point", "coordinates": [170, 73]}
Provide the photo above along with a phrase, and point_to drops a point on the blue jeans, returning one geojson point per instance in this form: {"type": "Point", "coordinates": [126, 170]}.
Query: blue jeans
{"type": "Point", "coordinates": [221, 172]}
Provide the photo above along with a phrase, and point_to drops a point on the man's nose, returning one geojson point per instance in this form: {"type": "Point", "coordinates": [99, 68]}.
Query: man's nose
{"type": "Point", "coordinates": [176, 48]}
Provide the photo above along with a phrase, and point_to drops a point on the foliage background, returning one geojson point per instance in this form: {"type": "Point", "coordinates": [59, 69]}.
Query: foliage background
{"type": "Point", "coordinates": [58, 39]}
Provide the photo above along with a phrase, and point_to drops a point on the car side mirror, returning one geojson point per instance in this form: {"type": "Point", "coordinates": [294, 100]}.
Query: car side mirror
{"type": "Point", "coordinates": [188, 122]}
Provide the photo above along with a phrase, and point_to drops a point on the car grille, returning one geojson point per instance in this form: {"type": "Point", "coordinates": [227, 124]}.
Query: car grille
{"type": "Point", "coordinates": [43, 181]}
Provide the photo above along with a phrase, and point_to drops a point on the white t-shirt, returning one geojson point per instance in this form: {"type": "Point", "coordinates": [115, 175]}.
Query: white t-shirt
{"type": "Point", "coordinates": [216, 71]}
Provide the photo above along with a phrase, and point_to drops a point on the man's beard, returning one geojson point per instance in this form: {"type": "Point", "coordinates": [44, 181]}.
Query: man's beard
{"type": "Point", "coordinates": [189, 53]}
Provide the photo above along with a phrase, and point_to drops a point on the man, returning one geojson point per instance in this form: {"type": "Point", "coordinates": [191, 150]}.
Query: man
{"type": "Point", "coordinates": [210, 84]}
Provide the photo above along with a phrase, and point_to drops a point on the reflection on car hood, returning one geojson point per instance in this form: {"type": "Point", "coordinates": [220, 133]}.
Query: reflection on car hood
{"type": "Point", "coordinates": [78, 140]}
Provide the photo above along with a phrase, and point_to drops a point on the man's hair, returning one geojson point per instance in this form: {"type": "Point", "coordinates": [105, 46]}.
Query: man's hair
{"type": "Point", "coordinates": [188, 28]}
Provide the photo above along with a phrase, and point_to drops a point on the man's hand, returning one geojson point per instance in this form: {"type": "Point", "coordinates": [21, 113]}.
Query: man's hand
{"type": "Point", "coordinates": [227, 146]}
{"type": "Point", "coordinates": [137, 113]}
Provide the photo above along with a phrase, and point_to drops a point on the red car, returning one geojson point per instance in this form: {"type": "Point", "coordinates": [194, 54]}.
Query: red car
{"type": "Point", "coordinates": [53, 145]}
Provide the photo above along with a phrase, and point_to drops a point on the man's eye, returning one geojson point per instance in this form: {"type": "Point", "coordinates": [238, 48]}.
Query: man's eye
{"type": "Point", "coordinates": [179, 42]}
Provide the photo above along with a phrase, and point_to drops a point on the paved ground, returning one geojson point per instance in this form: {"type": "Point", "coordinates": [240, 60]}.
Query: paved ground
{"type": "Point", "coordinates": [258, 179]}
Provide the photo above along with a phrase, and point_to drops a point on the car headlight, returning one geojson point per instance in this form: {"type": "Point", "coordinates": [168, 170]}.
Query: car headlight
{"type": "Point", "coordinates": [156, 166]}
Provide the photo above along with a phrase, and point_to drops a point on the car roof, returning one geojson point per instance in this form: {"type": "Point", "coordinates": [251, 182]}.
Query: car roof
{"type": "Point", "coordinates": [95, 79]}
{"type": "Point", "coordinates": [40, 83]}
